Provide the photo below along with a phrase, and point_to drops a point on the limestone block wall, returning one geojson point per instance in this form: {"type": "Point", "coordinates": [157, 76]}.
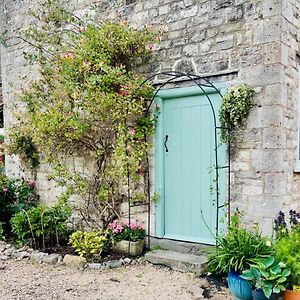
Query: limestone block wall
{"type": "Point", "coordinates": [255, 39]}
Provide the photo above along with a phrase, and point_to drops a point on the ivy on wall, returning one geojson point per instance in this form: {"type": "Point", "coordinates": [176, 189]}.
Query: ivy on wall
{"type": "Point", "coordinates": [88, 101]}
{"type": "Point", "coordinates": [235, 108]}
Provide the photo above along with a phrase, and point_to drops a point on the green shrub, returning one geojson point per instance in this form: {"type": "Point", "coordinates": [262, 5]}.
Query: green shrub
{"type": "Point", "coordinates": [15, 195]}
{"type": "Point", "coordinates": [238, 249]}
{"type": "Point", "coordinates": [89, 244]}
{"type": "Point", "coordinates": [1, 232]}
{"type": "Point", "coordinates": [287, 250]}
{"type": "Point", "coordinates": [41, 226]}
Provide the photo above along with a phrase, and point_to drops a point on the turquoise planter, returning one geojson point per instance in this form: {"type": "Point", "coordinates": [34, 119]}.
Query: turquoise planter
{"type": "Point", "coordinates": [259, 295]}
{"type": "Point", "coordinates": [239, 287]}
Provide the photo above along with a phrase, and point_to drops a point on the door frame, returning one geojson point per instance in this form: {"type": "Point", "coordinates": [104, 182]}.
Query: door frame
{"type": "Point", "coordinates": [159, 163]}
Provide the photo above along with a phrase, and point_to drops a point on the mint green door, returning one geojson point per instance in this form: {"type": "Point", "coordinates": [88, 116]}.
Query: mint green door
{"type": "Point", "coordinates": [188, 160]}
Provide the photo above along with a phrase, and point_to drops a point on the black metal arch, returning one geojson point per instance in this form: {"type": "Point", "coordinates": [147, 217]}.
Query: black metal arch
{"type": "Point", "coordinates": [174, 77]}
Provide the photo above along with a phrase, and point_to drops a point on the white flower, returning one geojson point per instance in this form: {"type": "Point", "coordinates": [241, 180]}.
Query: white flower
{"type": "Point", "coordinates": [282, 265]}
{"type": "Point", "coordinates": [268, 243]}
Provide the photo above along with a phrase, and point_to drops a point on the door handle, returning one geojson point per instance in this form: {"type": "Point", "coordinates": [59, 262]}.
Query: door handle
{"type": "Point", "coordinates": [165, 143]}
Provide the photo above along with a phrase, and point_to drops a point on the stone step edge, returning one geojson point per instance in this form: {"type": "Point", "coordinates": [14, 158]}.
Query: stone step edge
{"type": "Point", "coordinates": [181, 262]}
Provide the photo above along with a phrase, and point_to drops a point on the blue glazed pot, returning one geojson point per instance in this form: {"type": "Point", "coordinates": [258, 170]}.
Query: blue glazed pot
{"type": "Point", "coordinates": [259, 295]}
{"type": "Point", "coordinates": [239, 287]}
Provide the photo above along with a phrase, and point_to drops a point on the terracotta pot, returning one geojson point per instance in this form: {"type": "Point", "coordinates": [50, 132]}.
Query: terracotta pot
{"type": "Point", "coordinates": [291, 295]}
{"type": "Point", "coordinates": [134, 249]}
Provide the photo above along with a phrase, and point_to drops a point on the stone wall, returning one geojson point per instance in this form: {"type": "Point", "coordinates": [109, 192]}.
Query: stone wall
{"type": "Point", "coordinates": [255, 39]}
{"type": "Point", "coordinates": [290, 40]}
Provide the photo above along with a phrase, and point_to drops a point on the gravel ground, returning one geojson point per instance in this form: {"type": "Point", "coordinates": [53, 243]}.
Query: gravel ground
{"type": "Point", "coordinates": [27, 280]}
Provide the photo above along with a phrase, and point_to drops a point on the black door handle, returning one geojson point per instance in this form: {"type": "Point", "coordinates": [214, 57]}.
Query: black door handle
{"type": "Point", "coordinates": [165, 143]}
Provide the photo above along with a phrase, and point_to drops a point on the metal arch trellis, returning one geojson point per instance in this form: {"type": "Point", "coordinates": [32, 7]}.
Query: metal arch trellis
{"type": "Point", "coordinates": [175, 76]}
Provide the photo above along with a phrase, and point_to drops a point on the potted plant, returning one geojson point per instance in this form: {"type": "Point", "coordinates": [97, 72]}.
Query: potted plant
{"type": "Point", "coordinates": [128, 238]}
{"type": "Point", "coordinates": [235, 252]}
{"type": "Point", "coordinates": [287, 250]}
{"type": "Point", "coordinates": [268, 277]}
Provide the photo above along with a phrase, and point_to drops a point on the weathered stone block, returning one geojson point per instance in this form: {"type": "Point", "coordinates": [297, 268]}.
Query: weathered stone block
{"type": "Point", "coordinates": [74, 261]}
{"type": "Point", "coordinates": [162, 10]}
{"type": "Point", "coordinates": [275, 184]}
{"type": "Point", "coordinates": [267, 161]}
{"type": "Point", "coordinates": [267, 31]}
{"type": "Point", "coordinates": [274, 137]}
{"type": "Point", "coordinates": [225, 42]}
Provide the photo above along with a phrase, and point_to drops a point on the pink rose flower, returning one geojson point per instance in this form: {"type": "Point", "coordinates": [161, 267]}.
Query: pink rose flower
{"type": "Point", "coordinates": [132, 131]}
{"type": "Point", "coordinates": [31, 183]}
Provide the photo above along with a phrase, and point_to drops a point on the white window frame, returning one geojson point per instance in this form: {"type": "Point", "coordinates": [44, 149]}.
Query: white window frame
{"type": "Point", "coordinates": [297, 169]}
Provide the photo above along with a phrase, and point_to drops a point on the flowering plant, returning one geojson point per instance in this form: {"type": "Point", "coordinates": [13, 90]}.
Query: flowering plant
{"type": "Point", "coordinates": [129, 231]}
{"type": "Point", "coordinates": [287, 245]}
{"type": "Point", "coordinates": [280, 224]}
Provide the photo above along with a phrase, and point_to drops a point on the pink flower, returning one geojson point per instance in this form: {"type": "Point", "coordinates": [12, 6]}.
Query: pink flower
{"type": "Point", "coordinates": [5, 190]}
{"type": "Point", "coordinates": [149, 46]}
{"type": "Point", "coordinates": [68, 55]}
{"type": "Point", "coordinates": [86, 63]}
{"type": "Point", "coordinates": [159, 37]}
{"type": "Point", "coordinates": [132, 131]}
{"type": "Point", "coordinates": [133, 226]}
{"type": "Point", "coordinates": [120, 227]}
{"type": "Point", "coordinates": [123, 93]}
{"type": "Point", "coordinates": [31, 183]}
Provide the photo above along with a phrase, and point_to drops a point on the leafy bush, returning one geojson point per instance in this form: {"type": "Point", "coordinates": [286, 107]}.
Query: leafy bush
{"type": "Point", "coordinates": [15, 195]}
{"type": "Point", "coordinates": [41, 226]}
{"type": "Point", "coordinates": [238, 249]}
{"type": "Point", "coordinates": [126, 231]}
{"type": "Point", "coordinates": [268, 275]}
{"type": "Point", "coordinates": [287, 245]}
{"type": "Point", "coordinates": [88, 100]}
{"type": "Point", "coordinates": [1, 232]}
{"type": "Point", "coordinates": [235, 107]}
{"type": "Point", "coordinates": [89, 244]}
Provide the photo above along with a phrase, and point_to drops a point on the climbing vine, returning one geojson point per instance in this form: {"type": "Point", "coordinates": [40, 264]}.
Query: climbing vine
{"type": "Point", "coordinates": [88, 102]}
{"type": "Point", "coordinates": [235, 108]}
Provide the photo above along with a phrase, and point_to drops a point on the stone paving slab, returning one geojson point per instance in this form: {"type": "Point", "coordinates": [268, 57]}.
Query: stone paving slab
{"type": "Point", "coordinates": [182, 262]}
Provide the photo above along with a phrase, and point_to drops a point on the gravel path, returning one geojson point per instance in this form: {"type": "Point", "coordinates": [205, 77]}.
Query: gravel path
{"type": "Point", "coordinates": [32, 281]}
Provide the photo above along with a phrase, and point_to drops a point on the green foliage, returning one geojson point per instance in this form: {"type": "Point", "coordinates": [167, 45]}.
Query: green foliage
{"type": "Point", "coordinates": [15, 195]}
{"type": "Point", "coordinates": [24, 146]}
{"type": "Point", "coordinates": [287, 250]}
{"type": "Point", "coordinates": [235, 108]}
{"type": "Point", "coordinates": [238, 249]}
{"type": "Point", "coordinates": [126, 231]}
{"type": "Point", "coordinates": [268, 275]}
{"type": "Point", "coordinates": [89, 244]}
{"type": "Point", "coordinates": [88, 101]}
{"type": "Point", "coordinates": [2, 237]}
{"type": "Point", "coordinates": [41, 226]}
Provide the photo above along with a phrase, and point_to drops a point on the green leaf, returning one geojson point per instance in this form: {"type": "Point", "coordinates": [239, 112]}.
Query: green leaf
{"type": "Point", "coordinates": [276, 290]}
{"type": "Point", "coordinates": [267, 291]}
{"type": "Point", "coordinates": [264, 273]}
{"type": "Point", "coordinates": [275, 269]}
{"type": "Point", "coordinates": [286, 272]}
{"type": "Point", "coordinates": [269, 261]}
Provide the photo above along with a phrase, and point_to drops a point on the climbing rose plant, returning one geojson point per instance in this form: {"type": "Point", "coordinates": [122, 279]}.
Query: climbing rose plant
{"type": "Point", "coordinates": [88, 102]}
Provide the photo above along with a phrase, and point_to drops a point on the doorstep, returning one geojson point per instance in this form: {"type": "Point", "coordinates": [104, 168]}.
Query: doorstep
{"type": "Point", "coordinates": [183, 262]}
{"type": "Point", "coordinates": [180, 246]}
